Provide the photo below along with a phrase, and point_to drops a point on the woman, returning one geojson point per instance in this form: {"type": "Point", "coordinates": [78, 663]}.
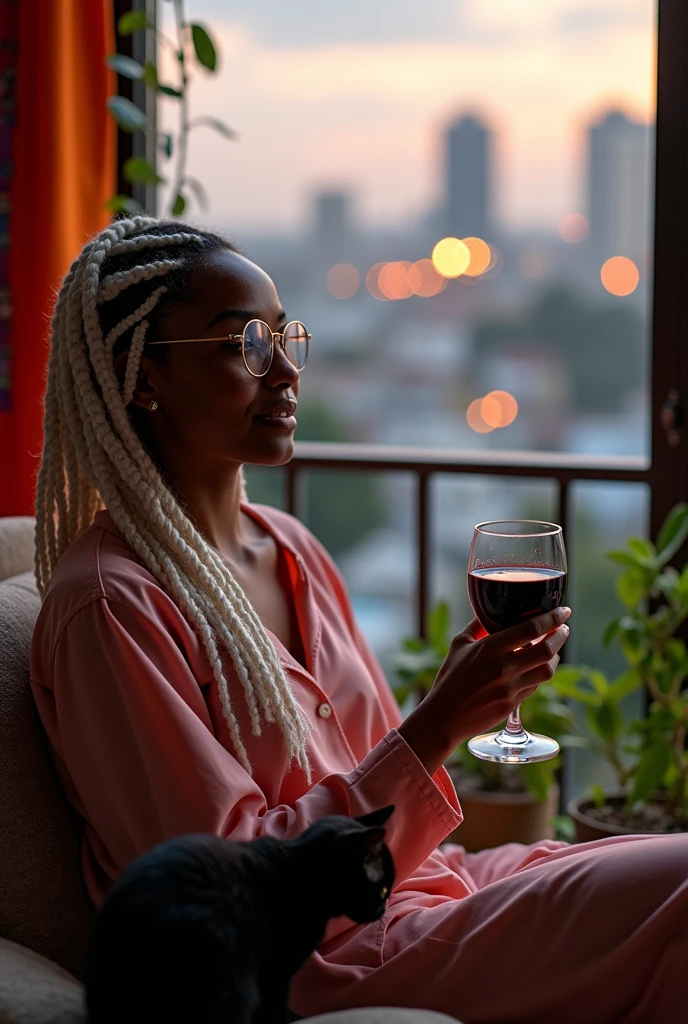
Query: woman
{"type": "Point", "coordinates": [197, 666]}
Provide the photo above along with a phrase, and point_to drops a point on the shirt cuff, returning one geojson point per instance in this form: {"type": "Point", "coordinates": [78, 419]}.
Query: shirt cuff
{"type": "Point", "coordinates": [426, 806]}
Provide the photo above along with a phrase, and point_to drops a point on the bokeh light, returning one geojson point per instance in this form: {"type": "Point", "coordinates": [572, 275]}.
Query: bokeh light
{"type": "Point", "coordinates": [372, 282]}
{"type": "Point", "coordinates": [620, 275]}
{"type": "Point", "coordinates": [499, 409]}
{"type": "Point", "coordinates": [393, 280]}
{"type": "Point", "coordinates": [424, 280]}
{"type": "Point", "coordinates": [343, 281]}
{"type": "Point", "coordinates": [451, 257]}
{"type": "Point", "coordinates": [475, 419]}
{"type": "Point", "coordinates": [480, 256]}
{"type": "Point", "coordinates": [573, 228]}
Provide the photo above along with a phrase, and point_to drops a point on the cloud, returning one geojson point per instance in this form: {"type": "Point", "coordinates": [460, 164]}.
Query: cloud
{"type": "Point", "coordinates": [303, 24]}
{"type": "Point", "coordinates": [595, 19]}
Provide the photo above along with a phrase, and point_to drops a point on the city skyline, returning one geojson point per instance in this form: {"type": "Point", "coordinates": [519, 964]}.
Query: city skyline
{"type": "Point", "coordinates": [366, 113]}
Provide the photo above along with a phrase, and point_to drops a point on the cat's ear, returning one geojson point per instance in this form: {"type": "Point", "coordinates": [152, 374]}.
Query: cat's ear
{"type": "Point", "coordinates": [374, 819]}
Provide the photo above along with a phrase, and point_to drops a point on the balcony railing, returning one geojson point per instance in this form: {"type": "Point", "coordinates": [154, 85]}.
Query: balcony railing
{"type": "Point", "coordinates": [560, 467]}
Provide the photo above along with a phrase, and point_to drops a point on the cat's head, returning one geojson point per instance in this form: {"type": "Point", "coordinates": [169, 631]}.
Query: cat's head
{"type": "Point", "coordinates": [354, 864]}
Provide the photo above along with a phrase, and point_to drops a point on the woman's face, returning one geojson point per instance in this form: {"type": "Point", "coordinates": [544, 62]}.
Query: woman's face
{"type": "Point", "coordinates": [208, 402]}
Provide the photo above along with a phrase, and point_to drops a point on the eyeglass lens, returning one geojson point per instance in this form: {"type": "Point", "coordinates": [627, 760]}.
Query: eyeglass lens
{"type": "Point", "coordinates": [296, 344]}
{"type": "Point", "coordinates": [258, 346]}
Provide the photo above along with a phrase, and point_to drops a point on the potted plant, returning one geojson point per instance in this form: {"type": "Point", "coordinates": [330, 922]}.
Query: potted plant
{"type": "Point", "coordinates": [501, 803]}
{"type": "Point", "coordinates": [647, 755]}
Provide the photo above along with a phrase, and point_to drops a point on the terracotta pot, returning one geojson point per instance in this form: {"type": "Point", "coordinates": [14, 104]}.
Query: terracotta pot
{"type": "Point", "coordinates": [588, 829]}
{"type": "Point", "coordinates": [491, 819]}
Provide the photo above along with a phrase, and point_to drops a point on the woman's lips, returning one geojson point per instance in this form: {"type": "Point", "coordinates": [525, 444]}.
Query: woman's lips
{"type": "Point", "coordinates": [280, 416]}
{"type": "Point", "coordinates": [279, 422]}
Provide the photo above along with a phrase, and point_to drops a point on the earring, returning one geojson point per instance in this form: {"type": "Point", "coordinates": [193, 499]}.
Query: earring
{"type": "Point", "coordinates": [153, 405]}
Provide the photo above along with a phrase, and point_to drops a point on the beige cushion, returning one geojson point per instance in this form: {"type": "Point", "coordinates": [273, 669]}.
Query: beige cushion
{"type": "Point", "coordinates": [43, 900]}
{"type": "Point", "coordinates": [35, 991]}
{"type": "Point", "coordinates": [382, 1015]}
{"type": "Point", "coordinates": [16, 545]}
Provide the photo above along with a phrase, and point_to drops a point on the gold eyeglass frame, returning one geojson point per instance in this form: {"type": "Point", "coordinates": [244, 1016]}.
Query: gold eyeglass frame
{"type": "Point", "coordinates": [275, 337]}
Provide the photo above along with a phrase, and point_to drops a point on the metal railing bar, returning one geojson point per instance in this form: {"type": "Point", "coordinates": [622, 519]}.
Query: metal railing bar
{"type": "Point", "coordinates": [423, 528]}
{"type": "Point", "coordinates": [558, 465]}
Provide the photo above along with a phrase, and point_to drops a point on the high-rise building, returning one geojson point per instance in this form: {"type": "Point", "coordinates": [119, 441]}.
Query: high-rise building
{"type": "Point", "coordinates": [468, 177]}
{"type": "Point", "coordinates": [620, 177]}
{"type": "Point", "coordinates": [332, 226]}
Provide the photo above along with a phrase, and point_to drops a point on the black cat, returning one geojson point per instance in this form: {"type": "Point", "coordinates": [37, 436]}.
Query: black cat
{"type": "Point", "coordinates": [208, 930]}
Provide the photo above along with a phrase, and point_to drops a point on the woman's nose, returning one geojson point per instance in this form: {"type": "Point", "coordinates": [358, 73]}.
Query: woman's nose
{"type": "Point", "coordinates": [282, 371]}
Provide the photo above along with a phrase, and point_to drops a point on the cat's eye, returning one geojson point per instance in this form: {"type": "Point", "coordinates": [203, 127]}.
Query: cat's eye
{"type": "Point", "coordinates": [384, 892]}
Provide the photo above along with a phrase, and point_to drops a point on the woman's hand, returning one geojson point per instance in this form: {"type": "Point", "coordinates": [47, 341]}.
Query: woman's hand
{"type": "Point", "coordinates": [481, 681]}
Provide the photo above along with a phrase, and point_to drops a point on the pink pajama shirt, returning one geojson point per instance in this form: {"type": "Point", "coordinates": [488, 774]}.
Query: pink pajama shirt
{"type": "Point", "coordinates": [538, 935]}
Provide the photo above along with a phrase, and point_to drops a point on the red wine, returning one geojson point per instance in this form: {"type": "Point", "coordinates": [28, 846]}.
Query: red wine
{"type": "Point", "coordinates": [506, 595]}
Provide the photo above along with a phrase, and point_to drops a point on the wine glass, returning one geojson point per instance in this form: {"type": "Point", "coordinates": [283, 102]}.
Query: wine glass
{"type": "Point", "coordinates": [516, 570]}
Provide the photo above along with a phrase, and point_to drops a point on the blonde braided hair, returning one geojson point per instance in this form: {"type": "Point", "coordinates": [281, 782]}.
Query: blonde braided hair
{"type": "Point", "coordinates": [93, 457]}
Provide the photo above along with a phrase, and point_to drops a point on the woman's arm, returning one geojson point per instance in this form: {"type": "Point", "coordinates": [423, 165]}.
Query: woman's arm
{"type": "Point", "coordinates": [135, 746]}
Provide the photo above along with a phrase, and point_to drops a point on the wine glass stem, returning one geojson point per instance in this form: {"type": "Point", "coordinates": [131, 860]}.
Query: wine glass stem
{"type": "Point", "coordinates": [513, 731]}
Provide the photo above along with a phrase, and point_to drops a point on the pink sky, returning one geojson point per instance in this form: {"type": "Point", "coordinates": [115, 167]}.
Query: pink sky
{"type": "Point", "coordinates": [344, 98]}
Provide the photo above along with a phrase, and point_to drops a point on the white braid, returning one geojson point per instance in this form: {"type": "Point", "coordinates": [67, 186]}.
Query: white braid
{"type": "Point", "coordinates": [131, 372]}
{"type": "Point", "coordinates": [111, 286]}
{"type": "Point", "coordinates": [144, 309]}
{"type": "Point", "coordinates": [92, 457]}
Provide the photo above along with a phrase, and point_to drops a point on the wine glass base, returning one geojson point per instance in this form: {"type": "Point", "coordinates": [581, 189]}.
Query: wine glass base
{"type": "Point", "coordinates": [494, 746]}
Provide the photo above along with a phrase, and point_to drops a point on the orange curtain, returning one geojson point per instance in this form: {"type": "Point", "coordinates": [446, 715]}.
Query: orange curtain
{"type": "Point", "coordinates": [64, 169]}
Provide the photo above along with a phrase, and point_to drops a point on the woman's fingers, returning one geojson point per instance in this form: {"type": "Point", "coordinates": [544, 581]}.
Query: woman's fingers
{"type": "Point", "coordinates": [526, 632]}
{"type": "Point", "coordinates": [529, 681]}
{"type": "Point", "coordinates": [541, 653]}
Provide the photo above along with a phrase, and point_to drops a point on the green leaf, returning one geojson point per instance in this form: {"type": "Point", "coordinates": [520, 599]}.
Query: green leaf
{"type": "Point", "coordinates": [438, 625]}
{"type": "Point", "coordinates": [169, 90]}
{"type": "Point", "coordinates": [599, 683]}
{"type": "Point", "coordinates": [630, 589]}
{"type": "Point", "coordinates": [199, 191]}
{"type": "Point", "coordinates": [178, 206]}
{"type": "Point", "coordinates": [566, 683]}
{"type": "Point", "coordinates": [165, 144]}
{"type": "Point", "coordinates": [127, 115]}
{"type": "Point", "coordinates": [624, 684]}
{"type": "Point", "coordinates": [564, 828]}
{"type": "Point", "coordinates": [610, 632]}
{"type": "Point", "coordinates": [137, 168]}
{"type": "Point", "coordinates": [150, 74]}
{"type": "Point", "coordinates": [598, 794]}
{"type": "Point", "coordinates": [650, 771]}
{"type": "Point", "coordinates": [644, 550]}
{"type": "Point", "coordinates": [126, 66]}
{"type": "Point", "coordinates": [132, 21]}
{"type": "Point", "coordinates": [538, 778]}
{"type": "Point", "coordinates": [623, 558]}
{"type": "Point", "coordinates": [666, 583]}
{"type": "Point", "coordinates": [604, 721]}
{"type": "Point", "coordinates": [204, 47]}
{"type": "Point", "coordinates": [214, 123]}
{"type": "Point", "coordinates": [673, 533]}
{"type": "Point", "coordinates": [122, 204]}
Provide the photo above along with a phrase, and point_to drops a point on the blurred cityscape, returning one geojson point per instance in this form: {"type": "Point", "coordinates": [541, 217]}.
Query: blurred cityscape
{"type": "Point", "coordinates": [542, 343]}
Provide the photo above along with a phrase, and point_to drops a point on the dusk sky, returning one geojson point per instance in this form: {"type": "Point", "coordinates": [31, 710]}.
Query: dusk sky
{"type": "Point", "coordinates": [357, 95]}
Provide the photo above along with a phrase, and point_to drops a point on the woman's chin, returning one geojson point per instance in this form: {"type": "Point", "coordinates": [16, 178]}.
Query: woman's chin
{"type": "Point", "coordinates": [276, 454]}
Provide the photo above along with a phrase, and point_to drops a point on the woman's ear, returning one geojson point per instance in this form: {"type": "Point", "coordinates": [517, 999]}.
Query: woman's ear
{"type": "Point", "coordinates": [146, 390]}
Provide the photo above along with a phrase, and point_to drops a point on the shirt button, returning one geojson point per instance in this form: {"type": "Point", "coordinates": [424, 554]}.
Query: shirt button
{"type": "Point", "coordinates": [325, 710]}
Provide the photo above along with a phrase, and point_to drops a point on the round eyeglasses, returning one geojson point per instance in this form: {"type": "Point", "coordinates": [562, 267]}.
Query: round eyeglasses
{"type": "Point", "coordinates": [258, 344]}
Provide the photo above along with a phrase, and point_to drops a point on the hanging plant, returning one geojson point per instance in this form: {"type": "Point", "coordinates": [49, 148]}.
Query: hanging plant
{"type": "Point", "coordinates": [193, 43]}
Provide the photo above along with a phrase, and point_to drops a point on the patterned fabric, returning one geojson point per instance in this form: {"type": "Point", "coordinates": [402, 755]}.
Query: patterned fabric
{"type": "Point", "coordinates": [9, 48]}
